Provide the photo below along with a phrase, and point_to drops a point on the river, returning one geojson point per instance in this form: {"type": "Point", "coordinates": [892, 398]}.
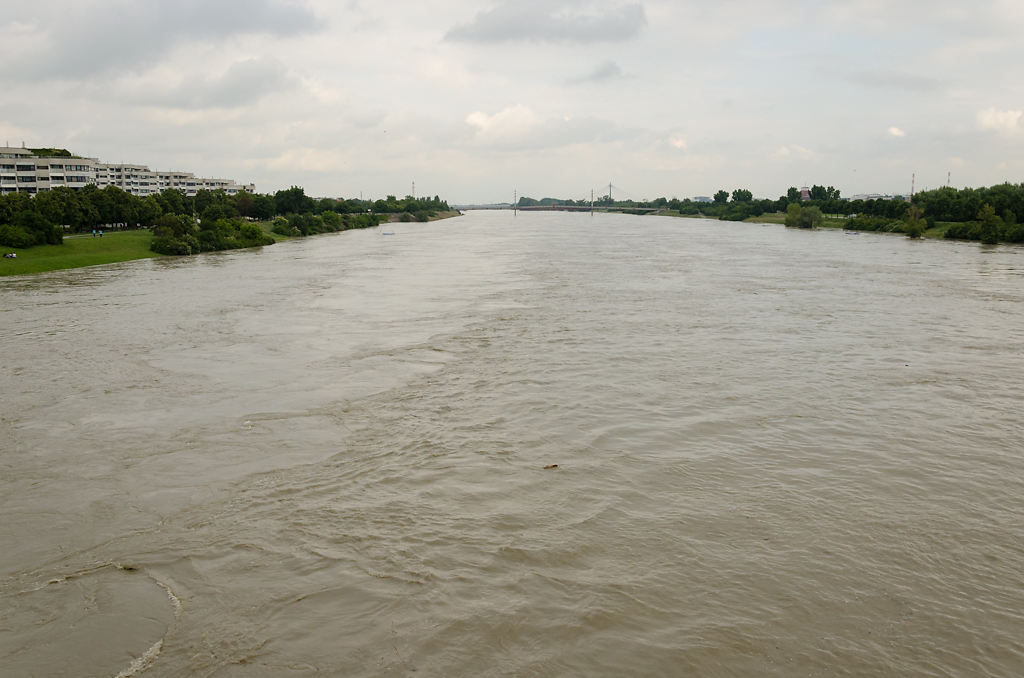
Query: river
{"type": "Point", "coordinates": [779, 453]}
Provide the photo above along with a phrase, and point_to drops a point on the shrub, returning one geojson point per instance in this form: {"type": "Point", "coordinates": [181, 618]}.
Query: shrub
{"type": "Point", "coordinates": [163, 244]}
{"type": "Point", "coordinates": [967, 230]}
{"type": "Point", "coordinates": [283, 227]}
{"type": "Point", "coordinates": [15, 236]}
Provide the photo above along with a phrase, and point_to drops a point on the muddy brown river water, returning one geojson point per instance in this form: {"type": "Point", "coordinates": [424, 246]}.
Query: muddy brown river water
{"type": "Point", "coordinates": [779, 453]}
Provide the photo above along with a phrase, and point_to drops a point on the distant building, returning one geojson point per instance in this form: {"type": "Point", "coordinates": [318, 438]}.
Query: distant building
{"type": "Point", "coordinates": [877, 196]}
{"type": "Point", "coordinates": [703, 198]}
{"type": "Point", "coordinates": [23, 171]}
{"type": "Point", "coordinates": [805, 193]}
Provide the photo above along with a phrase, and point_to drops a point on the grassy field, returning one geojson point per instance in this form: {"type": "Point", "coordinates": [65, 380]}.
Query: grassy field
{"type": "Point", "coordinates": [78, 251]}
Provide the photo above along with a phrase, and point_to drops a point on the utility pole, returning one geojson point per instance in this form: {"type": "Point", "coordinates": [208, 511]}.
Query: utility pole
{"type": "Point", "coordinates": [414, 189]}
{"type": "Point", "coordinates": [515, 202]}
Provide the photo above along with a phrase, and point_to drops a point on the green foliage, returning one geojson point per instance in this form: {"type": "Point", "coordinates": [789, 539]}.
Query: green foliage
{"type": "Point", "coordinates": [293, 201]}
{"type": "Point", "coordinates": [967, 230]}
{"type": "Point", "coordinates": [15, 236]}
{"type": "Point", "coordinates": [163, 244]}
{"type": "Point", "coordinates": [174, 225]}
{"type": "Point", "coordinates": [721, 197]}
{"type": "Point", "coordinates": [991, 225]}
{"type": "Point", "coordinates": [175, 234]}
{"type": "Point", "coordinates": [283, 227]}
{"type": "Point", "coordinates": [793, 213]}
{"type": "Point", "coordinates": [43, 218]}
{"type": "Point", "coordinates": [52, 153]}
{"type": "Point", "coordinates": [42, 230]}
{"type": "Point", "coordinates": [742, 195]}
{"type": "Point", "coordinates": [878, 224]}
{"type": "Point", "coordinates": [914, 225]}
{"type": "Point", "coordinates": [799, 216]}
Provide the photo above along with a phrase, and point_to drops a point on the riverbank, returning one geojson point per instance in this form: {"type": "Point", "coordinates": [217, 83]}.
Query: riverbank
{"type": "Point", "coordinates": [938, 231]}
{"type": "Point", "coordinates": [81, 250]}
{"type": "Point", "coordinates": [448, 214]}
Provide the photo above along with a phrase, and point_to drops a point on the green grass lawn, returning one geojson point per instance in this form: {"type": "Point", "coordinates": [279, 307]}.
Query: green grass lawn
{"type": "Point", "coordinates": [77, 251]}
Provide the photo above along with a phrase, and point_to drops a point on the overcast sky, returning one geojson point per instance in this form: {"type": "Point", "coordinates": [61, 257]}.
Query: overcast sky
{"type": "Point", "coordinates": [475, 100]}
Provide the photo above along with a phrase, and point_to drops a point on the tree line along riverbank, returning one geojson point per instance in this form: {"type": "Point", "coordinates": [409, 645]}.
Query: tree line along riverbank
{"type": "Point", "coordinates": [65, 228]}
{"type": "Point", "coordinates": [991, 215]}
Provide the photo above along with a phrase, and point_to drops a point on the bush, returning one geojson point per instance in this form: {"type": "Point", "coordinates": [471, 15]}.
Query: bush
{"type": "Point", "coordinates": [42, 230]}
{"type": "Point", "coordinates": [877, 224]}
{"type": "Point", "coordinates": [803, 217]}
{"type": "Point", "coordinates": [283, 227]}
{"type": "Point", "coordinates": [967, 230]}
{"type": "Point", "coordinates": [163, 244]}
{"type": "Point", "coordinates": [15, 236]}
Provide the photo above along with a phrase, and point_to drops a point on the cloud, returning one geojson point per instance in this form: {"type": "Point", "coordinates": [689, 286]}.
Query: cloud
{"type": "Point", "coordinates": [553, 21]}
{"type": "Point", "coordinates": [896, 132]}
{"type": "Point", "coordinates": [1004, 122]}
{"type": "Point", "coordinates": [609, 70]}
{"type": "Point", "coordinates": [678, 142]}
{"type": "Point", "coordinates": [243, 83]}
{"type": "Point", "coordinates": [892, 79]}
{"type": "Point", "coordinates": [72, 41]}
{"type": "Point", "coordinates": [520, 128]}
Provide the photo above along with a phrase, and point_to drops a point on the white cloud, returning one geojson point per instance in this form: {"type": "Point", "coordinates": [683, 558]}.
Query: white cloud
{"type": "Point", "coordinates": [896, 132]}
{"type": "Point", "coordinates": [553, 21]}
{"type": "Point", "coordinates": [508, 125]}
{"type": "Point", "coordinates": [607, 71]}
{"type": "Point", "coordinates": [519, 128]}
{"type": "Point", "coordinates": [1004, 122]}
{"type": "Point", "coordinates": [796, 150]}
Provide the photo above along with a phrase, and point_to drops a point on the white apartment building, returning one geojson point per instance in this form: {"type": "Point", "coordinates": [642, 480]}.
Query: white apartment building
{"type": "Point", "coordinates": [21, 171]}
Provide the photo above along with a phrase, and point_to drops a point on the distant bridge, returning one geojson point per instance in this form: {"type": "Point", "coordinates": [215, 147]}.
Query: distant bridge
{"type": "Point", "coordinates": [587, 208]}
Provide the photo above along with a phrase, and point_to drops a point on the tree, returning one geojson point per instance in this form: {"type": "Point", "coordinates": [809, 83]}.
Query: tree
{"type": "Point", "coordinates": [721, 197]}
{"type": "Point", "coordinates": [798, 216]}
{"type": "Point", "coordinates": [793, 211]}
{"type": "Point", "coordinates": [915, 224]}
{"type": "Point", "coordinates": [742, 195]}
{"type": "Point", "coordinates": [42, 230]}
{"type": "Point", "coordinates": [793, 194]}
{"type": "Point", "coordinates": [172, 201]}
{"type": "Point", "coordinates": [293, 201]}
{"type": "Point", "coordinates": [263, 206]}
{"type": "Point", "coordinates": [819, 192]}
{"type": "Point", "coordinates": [991, 225]}
{"type": "Point", "coordinates": [245, 204]}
